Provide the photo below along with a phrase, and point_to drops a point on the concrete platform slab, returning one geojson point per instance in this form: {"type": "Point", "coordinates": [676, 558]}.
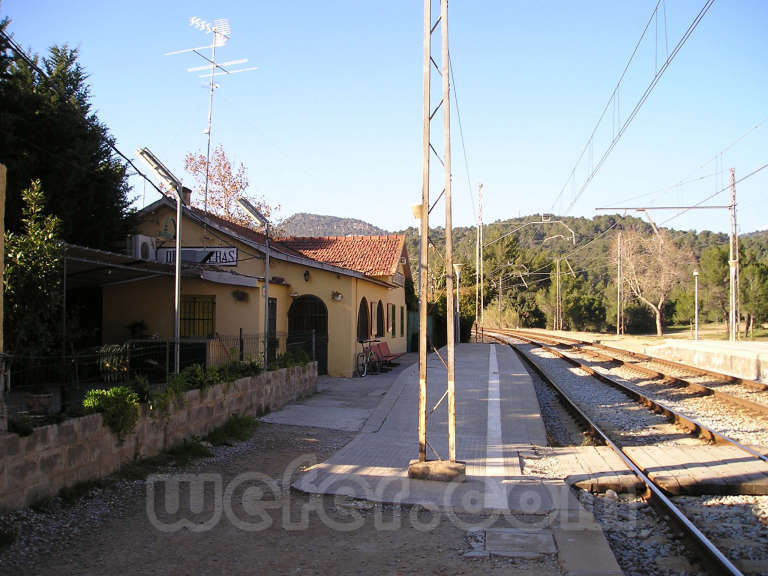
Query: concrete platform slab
{"type": "Point", "coordinates": [497, 417]}
{"type": "Point", "coordinates": [519, 542]}
{"type": "Point", "coordinates": [698, 470]}
{"type": "Point", "coordinates": [331, 416]}
{"type": "Point", "coordinates": [596, 469]}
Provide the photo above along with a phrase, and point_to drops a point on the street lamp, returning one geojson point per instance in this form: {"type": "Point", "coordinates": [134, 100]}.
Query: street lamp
{"type": "Point", "coordinates": [251, 209]}
{"type": "Point", "coordinates": [696, 303]}
{"type": "Point", "coordinates": [167, 176]}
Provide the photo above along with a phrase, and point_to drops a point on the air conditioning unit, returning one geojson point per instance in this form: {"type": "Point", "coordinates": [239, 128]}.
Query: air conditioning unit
{"type": "Point", "coordinates": [402, 259]}
{"type": "Point", "coordinates": [142, 247]}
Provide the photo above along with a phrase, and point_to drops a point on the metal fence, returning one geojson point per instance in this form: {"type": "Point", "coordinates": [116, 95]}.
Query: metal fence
{"type": "Point", "coordinates": [68, 377]}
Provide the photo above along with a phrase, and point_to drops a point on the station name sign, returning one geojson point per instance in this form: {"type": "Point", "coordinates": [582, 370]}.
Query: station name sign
{"type": "Point", "coordinates": [216, 256]}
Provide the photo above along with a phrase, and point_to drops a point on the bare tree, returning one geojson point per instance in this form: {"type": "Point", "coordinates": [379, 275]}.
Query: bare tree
{"type": "Point", "coordinates": [652, 266]}
{"type": "Point", "coordinates": [225, 186]}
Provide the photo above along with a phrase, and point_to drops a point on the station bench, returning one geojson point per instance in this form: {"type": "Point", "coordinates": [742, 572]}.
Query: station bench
{"type": "Point", "coordinates": [381, 350]}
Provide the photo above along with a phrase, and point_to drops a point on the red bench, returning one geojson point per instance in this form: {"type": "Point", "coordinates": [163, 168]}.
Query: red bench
{"type": "Point", "coordinates": [382, 351]}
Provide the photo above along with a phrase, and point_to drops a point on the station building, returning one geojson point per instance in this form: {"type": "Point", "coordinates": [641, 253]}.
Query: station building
{"type": "Point", "coordinates": [325, 293]}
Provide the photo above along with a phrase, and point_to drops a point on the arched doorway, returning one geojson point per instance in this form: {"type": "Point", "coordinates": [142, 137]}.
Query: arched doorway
{"type": "Point", "coordinates": [307, 314]}
{"type": "Point", "coordinates": [362, 321]}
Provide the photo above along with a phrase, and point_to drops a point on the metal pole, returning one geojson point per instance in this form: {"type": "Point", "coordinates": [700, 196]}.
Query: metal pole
{"type": "Point", "coordinates": [423, 247]}
{"type": "Point", "coordinates": [732, 260]}
{"type": "Point", "coordinates": [177, 297]}
{"type": "Point", "coordinates": [266, 304]}
{"type": "Point", "coordinates": [618, 290]}
{"type": "Point", "coordinates": [482, 268]}
{"type": "Point", "coordinates": [448, 229]}
{"type": "Point", "coordinates": [457, 267]}
{"type": "Point", "coordinates": [477, 268]}
{"type": "Point", "coordinates": [208, 129]}
{"type": "Point", "coordinates": [696, 303]}
{"type": "Point", "coordinates": [558, 309]}
{"type": "Point", "coordinates": [501, 291]}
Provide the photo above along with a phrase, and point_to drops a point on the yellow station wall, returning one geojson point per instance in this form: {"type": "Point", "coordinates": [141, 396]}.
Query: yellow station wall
{"type": "Point", "coordinates": [151, 300]}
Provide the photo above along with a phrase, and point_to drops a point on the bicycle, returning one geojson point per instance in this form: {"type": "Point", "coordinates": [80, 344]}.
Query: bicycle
{"type": "Point", "coordinates": [367, 359]}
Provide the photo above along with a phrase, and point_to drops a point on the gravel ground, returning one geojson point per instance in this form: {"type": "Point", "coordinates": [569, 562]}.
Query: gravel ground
{"type": "Point", "coordinates": [743, 425]}
{"type": "Point", "coordinates": [737, 525]}
{"type": "Point", "coordinates": [639, 538]}
{"type": "Point", "coordinates": [642, 542]}
{"type": "Point", "coordinates": [738, 390]}
{"type": "Point", "coordinates": [110, 531]}
{"type": "Point", "coordinates": [630, 423]}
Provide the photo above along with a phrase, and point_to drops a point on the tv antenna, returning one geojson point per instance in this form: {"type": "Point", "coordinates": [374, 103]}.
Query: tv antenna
{"type": "Point", "coordinates": [221, 32]}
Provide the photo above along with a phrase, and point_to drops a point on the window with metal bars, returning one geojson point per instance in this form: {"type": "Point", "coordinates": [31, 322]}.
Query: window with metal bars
{"type": "Point", "coordinates": [198, 317]}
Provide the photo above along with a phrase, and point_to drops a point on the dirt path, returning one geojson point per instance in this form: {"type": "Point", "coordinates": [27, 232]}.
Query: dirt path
{"type": "Point", "coordinates": [116, 531]}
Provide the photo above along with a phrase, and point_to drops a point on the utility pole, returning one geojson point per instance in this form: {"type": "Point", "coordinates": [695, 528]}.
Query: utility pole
{"type": "Point", "coordinates": [619, 281]}
{"type": "Point", "coordinates": [733, 263]}
{"type": "Point", "coordinates": [696, 302]}
{"type": "Point", "coordinates": [424, 243]}
{"type": "Point", "coordinates": [446, 74]}
{"type": "Point", "coordinates": [421, 468]}
{"type": "Point", "coordinates": [480, 250]}
{"type": "Point", "coordinates": [501, 293]}
{"type": "Point", "coordinates": [477, 267]}
{"type": "Point", "coordinates": [558, 305]}
{"type": "Point", "coordinates": [457, 268]}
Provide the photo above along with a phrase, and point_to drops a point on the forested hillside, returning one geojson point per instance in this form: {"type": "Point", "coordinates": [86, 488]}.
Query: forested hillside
{"type": "Point", "coordinates": [521, 255]}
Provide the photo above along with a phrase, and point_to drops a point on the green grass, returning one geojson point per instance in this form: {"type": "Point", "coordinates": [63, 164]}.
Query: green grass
{"type": "Point", "coordinates": [237, 428]}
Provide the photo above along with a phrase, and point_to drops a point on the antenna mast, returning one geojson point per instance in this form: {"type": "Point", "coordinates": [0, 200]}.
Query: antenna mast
{"type": "Point", "coordinates": [221, 31]}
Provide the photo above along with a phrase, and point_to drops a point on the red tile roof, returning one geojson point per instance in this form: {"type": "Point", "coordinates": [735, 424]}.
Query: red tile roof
{"type": "Point", "coordinates": [245, 232]}
{"type": "Point", "coordinates": [370, 255]}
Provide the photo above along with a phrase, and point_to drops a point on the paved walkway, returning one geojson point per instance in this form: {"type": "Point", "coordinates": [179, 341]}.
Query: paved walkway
{"type": "Point", "coordinates": [497, 416]}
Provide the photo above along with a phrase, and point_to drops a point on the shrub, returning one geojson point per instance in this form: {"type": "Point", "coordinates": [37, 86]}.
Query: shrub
{"type": "Point", "coordinates": [294, 357]}
{"type": "Point", "coordinates": [20, 427]}
{"type": "Point", "coordinates": [119, 406]}
{"type": "Point", "coordinates": [237, 427]}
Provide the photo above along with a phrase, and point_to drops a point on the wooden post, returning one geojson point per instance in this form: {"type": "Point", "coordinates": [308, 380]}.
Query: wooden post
{"type": "Point", "coordinates": [450, 324]}
{"type": "Point", "coordinates": [424, 247]}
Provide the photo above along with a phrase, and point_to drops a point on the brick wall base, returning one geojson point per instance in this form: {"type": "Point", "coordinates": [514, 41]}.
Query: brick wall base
{"type": "Point", "coordinates": [82, 449]}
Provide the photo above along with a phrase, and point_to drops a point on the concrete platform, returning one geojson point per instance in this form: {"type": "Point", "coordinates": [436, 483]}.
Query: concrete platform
{"type": "Point", "coordinates": [748, 360]}
{"type": "Point", "coordinates": [699, 470]}
{"type": "Point", "coordinates": [497, 417]}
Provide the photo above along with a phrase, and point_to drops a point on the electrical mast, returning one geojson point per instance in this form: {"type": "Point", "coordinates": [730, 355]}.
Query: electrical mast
{"type": "Point", "coordinates": [423, 468]}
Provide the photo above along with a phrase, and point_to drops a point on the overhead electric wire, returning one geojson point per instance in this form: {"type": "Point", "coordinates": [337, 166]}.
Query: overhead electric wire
{"type": "Point", "coordinates": [461, 134]}
{"type": "Point", "coordinates": [607, 105]}
{"type": "Point", "coordinates": [687, 179]}
{"type": "Point", "coordinates": [694, 24]}
{"type": "Point", "coordinates": [723, 189]}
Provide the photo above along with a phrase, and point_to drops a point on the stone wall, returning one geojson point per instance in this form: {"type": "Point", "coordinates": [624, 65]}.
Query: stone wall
{"type": "Point", "coordinates": [81, 449]}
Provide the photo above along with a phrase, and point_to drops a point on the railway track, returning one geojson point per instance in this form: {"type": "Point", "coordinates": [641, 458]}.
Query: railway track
{"type": "Point", "coordinates": [740, 412]}
{"type": "Point", "coordinates": [597, 420]}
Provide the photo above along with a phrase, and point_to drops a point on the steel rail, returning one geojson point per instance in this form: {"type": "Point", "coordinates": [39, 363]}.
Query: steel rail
{"type": "Point", "coordinates": [654, 493]}
{"type": "Point", "coordinates": [688, 423]}
{"type": "Point", "coordinates": [610, 353]}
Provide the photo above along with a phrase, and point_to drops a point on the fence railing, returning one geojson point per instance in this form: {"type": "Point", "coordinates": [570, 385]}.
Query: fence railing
{"type": "Point", "coordinates": [68, 377]}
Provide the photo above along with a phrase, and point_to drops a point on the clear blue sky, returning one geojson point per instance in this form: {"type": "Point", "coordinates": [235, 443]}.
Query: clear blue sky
{"type": "Point", "coordinates": [331, 121]}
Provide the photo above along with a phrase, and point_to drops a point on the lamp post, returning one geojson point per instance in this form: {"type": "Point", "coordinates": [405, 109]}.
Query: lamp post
{"type": "Point", "coordinates": [696, 303]}
{"type": "Point", "coordinates": [164, 174]}
{"type": "Point", "coordinates": [457, 269]}
{"type": "Point", "coordinates": [251, 209]}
